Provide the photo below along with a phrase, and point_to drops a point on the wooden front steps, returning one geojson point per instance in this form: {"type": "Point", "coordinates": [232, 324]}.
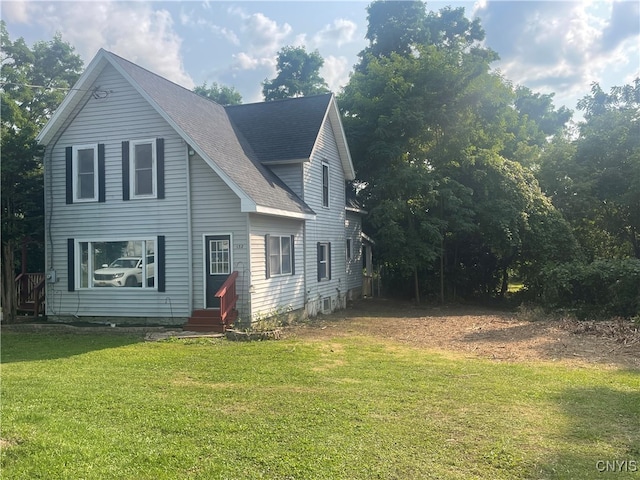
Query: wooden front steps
{"type": "Point", "coordinates": [217, 319]}
{"type": "Point", "coordinates": [209, 320]}
{"type": "Point", "coordinates": [30, 293]}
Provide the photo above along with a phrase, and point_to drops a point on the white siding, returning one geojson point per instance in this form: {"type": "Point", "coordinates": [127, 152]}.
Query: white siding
{"type": "Point", "coordinates": [353, 229]}
{"type": "Point", "coordinates": [329, 225]}
{"type": "Point", "coordinates": [121, 115]}
{"type": "Point", "coordinates": [291, 175]}
{"type": "Point", "coordinates": [215, 210]}
{"type": "Point", "coordinates": [277, 292]}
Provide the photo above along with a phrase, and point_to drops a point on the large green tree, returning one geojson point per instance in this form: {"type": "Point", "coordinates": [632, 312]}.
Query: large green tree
{"type": "Point", "coordinates": [441, 151]}
{"type": "Point", "coordinates": [298, 75]}
{"type": "Point", "coordinates": [33, 83]}
{"type": "Point", "coordinates": [595, 179]}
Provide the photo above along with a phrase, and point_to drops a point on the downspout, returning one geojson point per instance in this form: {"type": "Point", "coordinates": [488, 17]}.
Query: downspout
{"type": "Point", "coordinates": [307, 293]}
{"type": "Point", "coordinates": [249, 275]}
{"type": "Point", "coordinates": [189, 232]}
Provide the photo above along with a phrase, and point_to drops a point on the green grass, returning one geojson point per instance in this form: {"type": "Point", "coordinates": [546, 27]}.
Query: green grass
{"type": "Point", "coordinates": [102, 407]}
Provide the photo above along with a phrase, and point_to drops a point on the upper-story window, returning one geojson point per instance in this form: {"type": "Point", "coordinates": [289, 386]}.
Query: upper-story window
{"type": "Point", "coordinates": [85, 173]}
{"type": "Point", "coordinates": [325, 184]}
{"type": "Point", "coordinates": [143, 168]}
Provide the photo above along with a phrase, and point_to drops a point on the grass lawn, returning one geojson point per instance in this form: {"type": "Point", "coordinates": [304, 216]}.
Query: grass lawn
{"type": "Point", "coordinates": [102, 407]}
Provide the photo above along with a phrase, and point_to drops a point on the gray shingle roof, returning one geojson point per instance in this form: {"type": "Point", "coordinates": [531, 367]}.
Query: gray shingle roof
{"type": "Point", "coordinates": [281, 130]}
{"type": "Point", "coordinates": [209, 128]}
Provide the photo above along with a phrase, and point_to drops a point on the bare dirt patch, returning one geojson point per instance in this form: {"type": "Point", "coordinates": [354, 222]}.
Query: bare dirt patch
{"type": "Point", "coordinates": [474, 331]}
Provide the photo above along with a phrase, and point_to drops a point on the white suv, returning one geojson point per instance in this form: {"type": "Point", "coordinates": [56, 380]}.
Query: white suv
{"type": "Point", "coordinates": [124, 272]}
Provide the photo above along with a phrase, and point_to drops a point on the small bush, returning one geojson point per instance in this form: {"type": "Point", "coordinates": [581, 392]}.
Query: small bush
{"type": "Point", "coordinates": [602, 288]}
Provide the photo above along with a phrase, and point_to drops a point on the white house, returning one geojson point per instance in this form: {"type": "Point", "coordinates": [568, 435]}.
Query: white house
{"type": "Point", "coordinates": [164, 207]}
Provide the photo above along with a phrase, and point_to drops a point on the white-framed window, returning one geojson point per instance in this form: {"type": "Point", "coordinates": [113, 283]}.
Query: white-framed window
{"type": "Point", "coordinates": [121, 264]}
{"type": "Point", "coordinates": [325, 184]}
{"type": "Point", "coordinates": [219, 257]}
{"type": "Point", "coordinates": [85, 173]}
{"type": "Point", "coordinates": [280, 257]}
{"type": "Point", "coordinates": [143, 168]}
{"type": "Point", "coordinates": [324, 261]}
{"type": "Point", "coordinates": [349, 251]}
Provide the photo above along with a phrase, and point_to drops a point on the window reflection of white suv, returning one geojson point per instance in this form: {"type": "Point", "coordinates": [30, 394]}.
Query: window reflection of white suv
{"type": "Point", "coordinates": [124, 272]}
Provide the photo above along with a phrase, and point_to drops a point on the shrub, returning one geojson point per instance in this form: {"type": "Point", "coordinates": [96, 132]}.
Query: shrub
{"type": "Point", "coordinates": [604, 287]}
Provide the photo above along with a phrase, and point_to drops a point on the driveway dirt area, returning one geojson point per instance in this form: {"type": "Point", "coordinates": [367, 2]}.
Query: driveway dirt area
{"type": "Point", "coordinates": [478, 332]}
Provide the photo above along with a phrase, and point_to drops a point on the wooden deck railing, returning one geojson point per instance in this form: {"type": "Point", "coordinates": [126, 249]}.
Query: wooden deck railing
{"type": "Point", "coordinates": [228, 298]}
{"type": "Point", "coordinates": [31, 292]}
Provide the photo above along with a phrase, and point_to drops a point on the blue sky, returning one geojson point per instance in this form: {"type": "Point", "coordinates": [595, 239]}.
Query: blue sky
{"type": "Point", "coordinates": [549, 46]}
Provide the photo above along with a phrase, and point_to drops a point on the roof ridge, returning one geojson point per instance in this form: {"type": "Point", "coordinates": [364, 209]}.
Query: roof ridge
{"type": "Point", "coordinates": [159, 76]}
{"type": "Point", "coordinates": [280, 100]}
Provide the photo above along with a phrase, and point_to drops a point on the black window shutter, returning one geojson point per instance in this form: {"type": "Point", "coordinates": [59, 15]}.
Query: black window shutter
{"type": "Point", "coordinates": [293, 255]}
{"type": "Point", "coordinates": [319, 248]}
{"type": "Point", "coordinates": [71, 278]}
{"type": "Point", "coordinates": [69, 173]}
{"type": "Point", "coordinates": [101, 172]}
{"type": "Point", "coordinates": [160, 270]}
{"type": "Point", "coordinates": [125, 171]}
{"type": "Point", "coordinates": [329, 260]}
{"type": "Point", "coordinates": [160, 166]}
{"type": "Point", "coordinates": [266, 256]}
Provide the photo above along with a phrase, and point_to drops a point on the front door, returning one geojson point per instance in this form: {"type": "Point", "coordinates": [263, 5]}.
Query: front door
{"type": "Point", "coordinates": [217, 265]}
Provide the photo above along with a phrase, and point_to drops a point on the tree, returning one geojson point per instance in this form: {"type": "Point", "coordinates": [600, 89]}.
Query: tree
{"type": "Point", "coordinates": [394, 27]}
{"type": "Point", "coordinates": [298, 75]}
{"type": "Point", "coordinates": [398, 109]}
{"type": "Point", "coordinates": [220, 94]}
{"type": "Point", "coordinates": [608, 160]}
{"type": "Point", "coordinates": [595, 179]}
{"type": "Point", "coordinates": [540, 109]}
{"type": "Point", "coordinates": [443, 154]}
{"type": "Point", "coordinates": [34, 82]}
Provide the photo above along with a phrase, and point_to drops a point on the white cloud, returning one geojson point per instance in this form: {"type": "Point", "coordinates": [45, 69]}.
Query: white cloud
{"type": "Point", "coordinates": [244, 61]}
{"type": "Point", "coordinates": [133, 30]}
{"type": "Point", "coordinates": [340, 32]}
{"type": "Point", "coordinates": [192, 20]}
{"type": "Point", "coordinates": [336, 72]}
{"type": "Point", "coordinates": [559, 47]}
{"type": "Point", "coordinates": [16, 11]}
{"type": "Point", "coordinates": [264, 35]}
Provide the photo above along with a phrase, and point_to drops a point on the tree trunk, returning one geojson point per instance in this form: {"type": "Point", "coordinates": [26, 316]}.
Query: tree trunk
{"type": "Point", "coordinates": [505, 282]}
{"type": "Point", "coordinates": [634, 242]}
{"type": "Point", "coordinates": [9, 300]}
{"type": "Point", "coordinates": [417, 285]}
{"type": "Point", "coordinates": [442, 270]}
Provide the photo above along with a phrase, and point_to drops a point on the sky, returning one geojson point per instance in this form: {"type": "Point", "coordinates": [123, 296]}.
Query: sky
{"type": "Point", "coordinates": [558, 47]}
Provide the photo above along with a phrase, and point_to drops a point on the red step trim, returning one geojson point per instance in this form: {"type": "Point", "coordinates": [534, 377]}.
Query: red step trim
{"type": "Point", "coordinates": [209, 321]}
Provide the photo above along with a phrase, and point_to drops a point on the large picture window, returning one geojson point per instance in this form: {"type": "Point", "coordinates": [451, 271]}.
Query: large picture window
{"type": "Point", "coordinates": [121, 264]}
{"type": "Point", "coordinates": [280, 255]}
